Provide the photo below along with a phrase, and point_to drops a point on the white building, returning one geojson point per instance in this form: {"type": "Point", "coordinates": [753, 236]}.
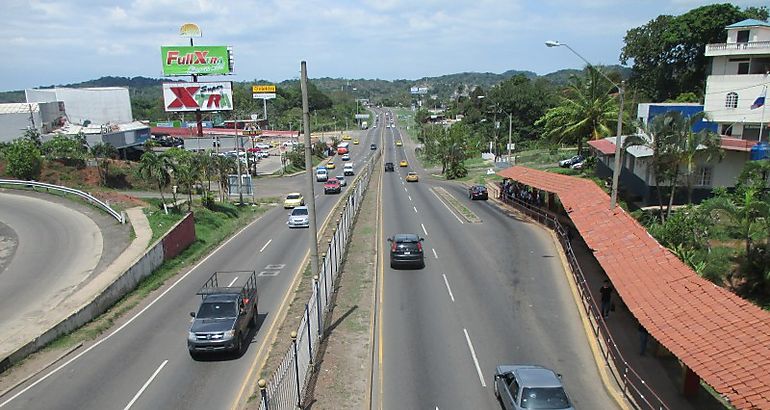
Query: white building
{"type": "Point", "coordinates": [16, 118]}
{"type": "Point", "coordinates": [99, 106]}
{"type": "Point", "coordinates": [739, 72]}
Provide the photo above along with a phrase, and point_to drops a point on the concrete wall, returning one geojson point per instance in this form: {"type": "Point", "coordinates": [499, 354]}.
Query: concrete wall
{"type": "Point", "coordinates": [177, 239]}
{"type": "Point", "coordinates": [98, 105]}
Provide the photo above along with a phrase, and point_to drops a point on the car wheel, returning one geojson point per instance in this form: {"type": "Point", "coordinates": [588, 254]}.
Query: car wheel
{"type": "Point", "coordinates": [238, 343]}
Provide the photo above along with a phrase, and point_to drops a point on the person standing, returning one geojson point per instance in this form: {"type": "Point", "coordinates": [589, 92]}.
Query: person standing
{"type": "Point", "coordinates": [606, 293]}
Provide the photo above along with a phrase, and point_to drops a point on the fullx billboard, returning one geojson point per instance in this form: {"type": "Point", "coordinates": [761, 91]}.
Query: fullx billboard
{"type": "Point", "coordinates": [198, 60]}
{"type": "Point", "coordinates": [210, 96]}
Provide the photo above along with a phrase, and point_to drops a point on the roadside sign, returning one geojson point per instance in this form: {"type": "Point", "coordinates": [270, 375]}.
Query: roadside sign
{"type": "Point", "coordinates": [263, 96]}
{"type": "Point", "coordinates": [256, 89]}
{"type": "Point", "coordinates": [362, 116]}
{"type": "Point", "coordinates": [209, 96]}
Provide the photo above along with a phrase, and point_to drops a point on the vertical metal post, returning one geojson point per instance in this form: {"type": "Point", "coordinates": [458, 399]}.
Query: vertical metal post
{"type": "Point", "coordinates": [330, 250]}
{"type": "Point", "coordinates": [510, 131]}
{"type": "Point", "coordinates": [326, 289]}
{"type": "Point", "coordinates": [318, 304]}
{"type": "Point", "coordinates": [263, 391]}
{"type": "Point", "coordinates": [618, 150]}
{"type": "Point", "coordinates": [309, 171]}
{"type": "Point", "coordinates": [309, 333]}
{"type": "Point", "coordinates": [296, 368]}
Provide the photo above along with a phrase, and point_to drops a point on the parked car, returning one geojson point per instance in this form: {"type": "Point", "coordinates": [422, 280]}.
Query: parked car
{"type": "Point", "coordinates": [263, 154]}
{"type": "Point", "coordinates": [262, 145]}
{"type": "Point", "coordinates": [406, 250]}
{"type": "Point", "coordinates": [343, 181]}
{"type": "Point", "coordinates": [388, 167]}
{"type": "Point", "coordinates": [566, 163]}
{"type": "Point", "coordinates": [578, 165]}
{"type": "Point", "coordinates": [299, 217]}
{"type": "Point", "coordinates": [293, 200]}
{"type": "Point", "coordinates": [412, 177]}
{"type": "Point", "coordinates": [332, 186]}
{"type": "Point", "coordinates": [348, 169]}
{"type": "Point", "coordinates": [478, 192]}
{"type": "Point", "coordinates": [530, 387]}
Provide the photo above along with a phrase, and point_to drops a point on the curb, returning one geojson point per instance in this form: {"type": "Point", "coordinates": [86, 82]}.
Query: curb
{"type": "Point", "coordinates": [42, 369]}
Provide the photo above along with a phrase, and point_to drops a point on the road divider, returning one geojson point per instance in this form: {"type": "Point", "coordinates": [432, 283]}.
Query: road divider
{"type": "Point", "coordinates": [463, 210]}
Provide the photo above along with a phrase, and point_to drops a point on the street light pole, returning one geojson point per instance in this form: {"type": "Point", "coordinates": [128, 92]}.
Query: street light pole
{"type": "Point", "coordinates": [621, 94]}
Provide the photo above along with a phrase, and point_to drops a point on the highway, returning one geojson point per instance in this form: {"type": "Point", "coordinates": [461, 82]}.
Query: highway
{"type": "Point", "coordinates": [48, 251]}
{"type": "Point", "coordinates": [143, 363]}
{"type": "Point", "coordinates": [491, 293]}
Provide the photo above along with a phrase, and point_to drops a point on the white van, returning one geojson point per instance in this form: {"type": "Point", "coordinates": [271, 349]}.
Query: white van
{"type": "Point", "coordinates": [321, 175]}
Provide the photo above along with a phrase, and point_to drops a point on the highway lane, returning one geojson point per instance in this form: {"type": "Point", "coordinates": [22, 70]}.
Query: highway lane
{"type": "Point", "coordinates": [51, 251]}
{"type": "Point", "coordinates": [145, 363]}
{"type": "Point", "coordinates": [492, 293]}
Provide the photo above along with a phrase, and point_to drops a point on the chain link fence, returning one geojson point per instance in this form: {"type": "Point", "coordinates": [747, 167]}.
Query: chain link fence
{"type": "Point", "coordinates": [286, 387]}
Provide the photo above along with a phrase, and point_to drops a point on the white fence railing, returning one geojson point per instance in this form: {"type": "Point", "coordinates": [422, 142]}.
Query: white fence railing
{"type": "Point", "coordinates": [286, 387]}
{"type": "Point", "coordinates": [88, 197]}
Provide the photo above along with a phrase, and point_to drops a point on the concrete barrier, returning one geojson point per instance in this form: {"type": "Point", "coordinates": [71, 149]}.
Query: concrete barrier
{"type": "Point", "coordinates": [174, 241]}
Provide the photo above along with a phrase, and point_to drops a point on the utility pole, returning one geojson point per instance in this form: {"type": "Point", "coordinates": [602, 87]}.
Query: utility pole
{"type": "Point", "coordinates": [238, 162]}
{"type": "Point", "coordinates": [309, 172]}
{"type": "Point", "coordinates": [510, 131]}
{"type": "Point", "coordinates": [618, 150]}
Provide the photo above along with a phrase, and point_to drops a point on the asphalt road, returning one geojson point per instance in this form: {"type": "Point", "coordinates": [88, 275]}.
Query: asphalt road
{"type": "Point", "coordinates": [47, 251]}
{"type": "Point", "coordinates": [144, 363]}
{"type": "Point", "coordinates": [491, 293]}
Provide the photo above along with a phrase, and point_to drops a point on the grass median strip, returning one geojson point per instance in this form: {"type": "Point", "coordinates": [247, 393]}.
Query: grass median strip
{"type": "Point", "coordinates": [463, 210]}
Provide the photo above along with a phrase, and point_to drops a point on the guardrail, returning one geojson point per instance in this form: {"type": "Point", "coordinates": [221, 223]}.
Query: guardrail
{"type": "Point", "coordinates": [636, 391]}
{"type": "Point", "coordinates": [287, 386]}
{"type": "Point", "coordinates": [88, 197]}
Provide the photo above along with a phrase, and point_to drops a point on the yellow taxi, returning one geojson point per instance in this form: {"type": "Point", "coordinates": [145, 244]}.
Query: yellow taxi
{"type": "Point", "coordinates": [399, 143]}
{"type": "Point", "coordinates": [294, 199]}
{"type": "Point", "coordinates": [273, 143]}
{"type": "Point", "coordinates": [346, 137]}
{"type": "Point", "coordinates": [403, 163]}
{"type": "Point", "coordinates": [356, 141]}
{"type": "Point", "coordinates": [412, 177]}
{"type": "Point", "coordinates": [330, 165]}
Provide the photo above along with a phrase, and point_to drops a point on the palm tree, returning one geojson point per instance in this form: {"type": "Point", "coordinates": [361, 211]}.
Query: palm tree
{"type": "Point", "coordinates": [586, 110]}
{"type": "Point", "coordinates": [154, 167]}
{"type": "Point", "coordinates": [694, 144]}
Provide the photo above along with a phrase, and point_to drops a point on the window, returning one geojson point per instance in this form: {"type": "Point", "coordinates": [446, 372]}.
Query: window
{"type": "Point", "coordinates": [704, 176]}
{"type": "Point", "coordinates": [727, 129]}
{"type": "Point", "coordinates": [514, 388]}
{"type": "Point", "coordinates": [731, 101]}
{"type": "Point", "coordinates": [743, 36]}
{"type": "Point", "coordinates": [743, 68]}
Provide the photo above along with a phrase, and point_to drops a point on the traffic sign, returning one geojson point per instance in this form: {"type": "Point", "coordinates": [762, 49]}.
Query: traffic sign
{"type": "Point", "coordinates": [256, 89]}
{"type": "Point", "coordinates": [264, 96]}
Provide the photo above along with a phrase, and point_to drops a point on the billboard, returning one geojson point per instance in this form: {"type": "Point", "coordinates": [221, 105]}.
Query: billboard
{"type": "Point", "coordinates": [210, 96]}
{"type": "Point", "coordinates": [265, 92]}
{"type": "Point", "coordinates": [418, 90]}
{"type": "Point", "coordinates": [362, 116]}
{"type": "Point", "coordinates": [198, 60]}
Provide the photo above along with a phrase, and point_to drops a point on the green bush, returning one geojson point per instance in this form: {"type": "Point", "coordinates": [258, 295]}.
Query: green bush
{"type": "Point", "coordinates": [24, 159]}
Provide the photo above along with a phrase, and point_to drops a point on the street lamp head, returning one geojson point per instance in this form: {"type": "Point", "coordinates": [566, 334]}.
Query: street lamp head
{"type": "Point", "coordinates": [552, 43]}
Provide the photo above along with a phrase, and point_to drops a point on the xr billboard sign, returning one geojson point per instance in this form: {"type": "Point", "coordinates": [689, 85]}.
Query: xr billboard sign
{"type": "Point", "coordinates": [195, 60]}
{"type": "Point", "coordinates": [210, 96]}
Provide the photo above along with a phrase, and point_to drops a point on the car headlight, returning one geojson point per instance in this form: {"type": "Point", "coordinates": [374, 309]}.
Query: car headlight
{"type": "Point", "coordinates": [191, 336]}
{"type": "Point", "coordinates": [229, 334]}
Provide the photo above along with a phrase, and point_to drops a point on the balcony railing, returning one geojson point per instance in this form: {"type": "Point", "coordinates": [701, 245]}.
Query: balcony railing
{"type": "Point", "coordinates": [751, 45]}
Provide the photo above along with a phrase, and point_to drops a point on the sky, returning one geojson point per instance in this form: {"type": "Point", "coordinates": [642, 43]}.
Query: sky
{"type": "Point", "coordinates": [59, 42]}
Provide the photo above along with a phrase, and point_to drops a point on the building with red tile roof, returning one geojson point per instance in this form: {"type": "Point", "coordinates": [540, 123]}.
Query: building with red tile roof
{"type": "Point", "coordinates": [722, 338]}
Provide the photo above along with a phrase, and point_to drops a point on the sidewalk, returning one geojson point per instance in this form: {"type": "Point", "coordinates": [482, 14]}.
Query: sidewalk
{"type": "Point", "coordinates": [657, 367]}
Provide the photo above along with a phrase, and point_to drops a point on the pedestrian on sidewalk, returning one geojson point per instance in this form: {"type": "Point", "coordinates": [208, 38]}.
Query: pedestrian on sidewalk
{"type": "Point", "coordinates": [606, 292]}
{"type": "Point", "coordinates": [644, 337]}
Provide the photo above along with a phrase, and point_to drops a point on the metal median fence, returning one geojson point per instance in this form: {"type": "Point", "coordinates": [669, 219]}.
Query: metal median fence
{"type": "Point", "coordinates": [635, 389]}
{"type": "Point", "coordinates": [286, 387]}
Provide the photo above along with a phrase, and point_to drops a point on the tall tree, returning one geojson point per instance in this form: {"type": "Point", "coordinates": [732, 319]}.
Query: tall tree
{"type": "Point", "coordinates": [154, 167]}
{"type": "Point", "coordinates": [668, 52]}
{"type": "Point", "coordinates": [693, 146]}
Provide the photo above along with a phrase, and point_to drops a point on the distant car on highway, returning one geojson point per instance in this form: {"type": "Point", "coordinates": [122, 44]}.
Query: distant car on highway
{"type": "Point", "coordinates": [343, 181]}
{"type": "Point", "coordinates": [346, 157]}
{"type": "Point", "coordinates": [356, 141]}
{"type": "Point", "coordinates": [388, 167]}
{"type": "Point", "coordinates": [373, 147]}
{"type": "Point", "coordinates": [403, 163]}
{"type": "Point", "coordinates": [293, 200]}
{"type": "Point", "coordinates": [332, 186]}
{"type": "Point", "coordinates": [330, 165]}
{"type": "Point", "coordinates": [321, 175]}
{"type": "Point", "coordinates": [399, 143]}
{"type": "Point", "coordinates": [406, 250]}
{"type": "Point", "coordinates": [412, 177]}
{"type": "Point", "coordinates": [478, 192]}
{"type": "Point", "coordinates": [299, 217]}
{"type": "Point", "coordinates": [566, 163]}
{"type": "Point", "coordinates": [262, 145]}
{"type": "Point", "coordinates": [346, 137]}
{"type": "Point", "coordinates": [348, 170]}
{"type": "Point", "coordinates": [521, 387]}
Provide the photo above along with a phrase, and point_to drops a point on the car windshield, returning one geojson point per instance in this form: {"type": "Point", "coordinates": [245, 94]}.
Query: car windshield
{"type": "Point", "coordinates": [293, 196]}
{"type": "Point", "coordinates": [299, 212]}
{"type": "Point", "coordinates": [544, 398]}
{"type": "Point", "coordinates": [216, 310]}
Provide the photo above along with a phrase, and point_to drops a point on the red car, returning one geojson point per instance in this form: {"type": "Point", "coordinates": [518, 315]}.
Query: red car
{"type": "Point", "coordinates": [332, 186]}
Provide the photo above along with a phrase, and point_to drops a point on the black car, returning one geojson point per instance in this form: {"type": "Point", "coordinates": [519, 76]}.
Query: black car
{"type": "Point", "coordinates": [406, 250]}
{"type": "Point", "coordinates": [373, 147]}
{"type": "Point", "coordinates": [478, 192]}
{"type": "Point", "coordinates": [389, 167]}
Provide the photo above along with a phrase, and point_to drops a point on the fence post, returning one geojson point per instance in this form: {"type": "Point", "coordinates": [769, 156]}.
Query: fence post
{"type": "Point", "coordinates": [332, 253]}
{"type": "Point", "coordinates": [326, 289]}
{"type": "Point", "coordinates": [317, 303]}
{"type": "Point", "coordinates": [263, 392]}
{"type": "Point", "coordinates": [337, 234]}
{"type": "Point", "coordinates": [309, 334]}
{"type": "Point", "coordinates": [296, 368]}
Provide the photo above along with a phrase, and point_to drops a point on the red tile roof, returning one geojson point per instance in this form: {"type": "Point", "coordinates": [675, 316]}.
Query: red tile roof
{"type": "Point", "coordinates": [736, 144]}
{"type": "Point", "coordinates": [724, 339]}
{"type": "Point", "coordinates": [604, 146]}
{"type": "Point", "coordinates": [187, 132]}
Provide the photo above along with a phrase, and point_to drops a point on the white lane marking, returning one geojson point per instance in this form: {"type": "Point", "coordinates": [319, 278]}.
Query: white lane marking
{"type": "Point", "coordinates": [475, 360]}
{"type": "Point", "coordinates": [405, 190]}
{"type": "Point", "coordinates": [410, 197]}
{"type": "Point", "coordinates": [415, 209]}
{"type": "Point", "coordinates": [434, 253]}
{"type": "Point", "coordinates": [447, 207]}
{"type": "Point", "coordinates": [128, 322]}
{"type": "Point", "coordinates": [424, 230]}
{"type": "Point", "coordinates": [233, 281]}
{"type": "Point", "coordinates": [448, 288]}
{"type": "Point", "coordinates": [144, 387]}
{"type": "Point", "coordinates": [263, 248]}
